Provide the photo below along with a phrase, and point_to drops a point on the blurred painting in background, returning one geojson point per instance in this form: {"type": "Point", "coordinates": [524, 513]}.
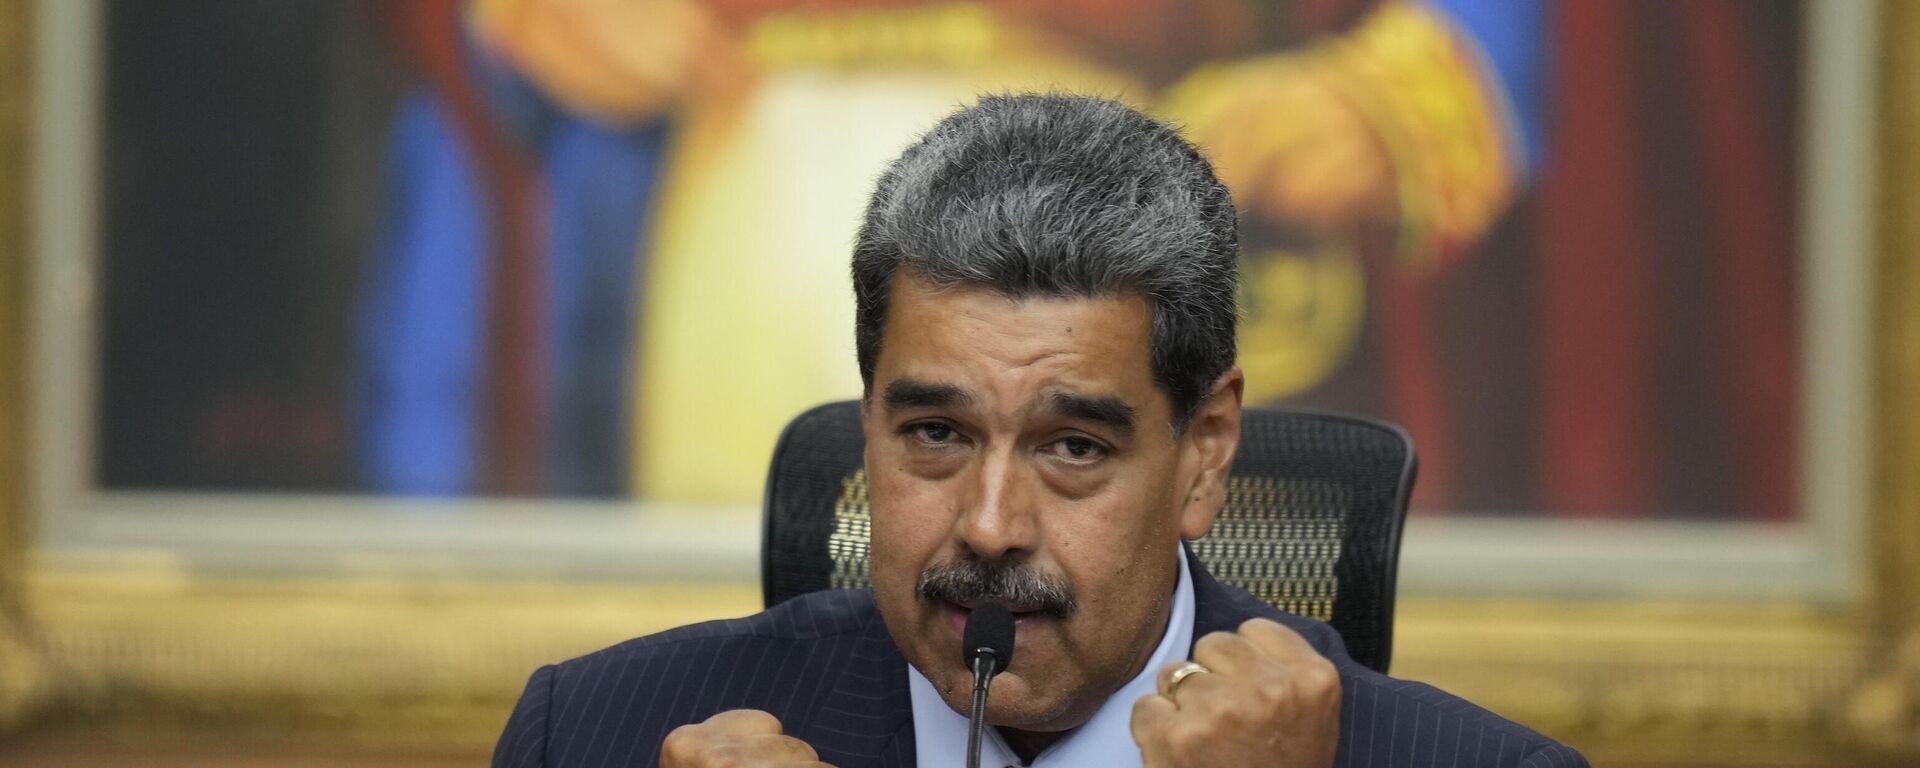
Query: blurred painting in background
{"type": "Point", "coordinates": [597, 248]}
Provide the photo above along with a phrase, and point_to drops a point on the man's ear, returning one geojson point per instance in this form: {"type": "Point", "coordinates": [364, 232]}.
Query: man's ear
{"type": "Point", "coordinates": [1212, 439]}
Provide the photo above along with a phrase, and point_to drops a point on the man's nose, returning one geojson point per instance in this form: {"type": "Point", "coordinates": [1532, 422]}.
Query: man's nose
{"type": "Point", "coordinates": [999, 518]}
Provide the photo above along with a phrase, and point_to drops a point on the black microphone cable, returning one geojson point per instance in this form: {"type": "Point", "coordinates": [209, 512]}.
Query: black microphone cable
{"type": "Point", "coordinates": [986, 648]}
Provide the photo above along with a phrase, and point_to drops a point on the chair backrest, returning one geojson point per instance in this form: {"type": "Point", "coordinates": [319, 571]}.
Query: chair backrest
{"type": "Point", "coordinates": [1311, 525]}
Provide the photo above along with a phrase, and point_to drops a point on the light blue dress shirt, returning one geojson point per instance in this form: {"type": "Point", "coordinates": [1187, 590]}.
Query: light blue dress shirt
{"type": "Point", "coordinates": [940, 734]}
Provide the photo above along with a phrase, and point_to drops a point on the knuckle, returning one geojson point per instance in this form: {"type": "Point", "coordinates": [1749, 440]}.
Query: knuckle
{"type": "Point", "coordinates": [1165, 675]}
{"type": "Point", "coordinates": [753, 719]}
{"type": "Point", "coordinates": [1259, 624]}
{"type": "Point", "coordinates": [1141, 708]}
{"type": "Point", "coordinates": [1150, 710]}
{"type": "Point", "coordinates": [1274, 635]}
{"type": "Point", "coordinates": [1320, 677]}
{"type": "Point", "coordinates": [679, 744]}
{"type": "Point", "coordinates": [800, 749]}
{"type": "Point", "coordinates": [1273, 693]}
{"type": "Point", "coordinates": [1215, 643]}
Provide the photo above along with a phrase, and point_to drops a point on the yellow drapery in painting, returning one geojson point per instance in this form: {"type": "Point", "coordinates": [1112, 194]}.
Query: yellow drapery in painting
{"type": "Point", "coordinates": [748, 315]}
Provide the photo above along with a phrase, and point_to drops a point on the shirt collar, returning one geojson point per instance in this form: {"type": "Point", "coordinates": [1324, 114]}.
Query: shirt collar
{"type": "Point", "coordinates": [940, 734]}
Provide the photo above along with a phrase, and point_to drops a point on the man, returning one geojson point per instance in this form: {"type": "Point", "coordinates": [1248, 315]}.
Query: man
{"type": "Point", "coordinates": [1045, 326]}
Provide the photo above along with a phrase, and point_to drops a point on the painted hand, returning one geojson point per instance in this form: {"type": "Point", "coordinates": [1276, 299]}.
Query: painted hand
{"type": "Point", "coordinates": [1294, 151]}
{"type": "Point", "coordinates": [618, 62]}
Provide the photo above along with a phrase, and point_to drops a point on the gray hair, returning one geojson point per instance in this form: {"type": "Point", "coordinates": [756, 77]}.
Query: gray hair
{"type": "Point", "coordinates": [1058, 195]}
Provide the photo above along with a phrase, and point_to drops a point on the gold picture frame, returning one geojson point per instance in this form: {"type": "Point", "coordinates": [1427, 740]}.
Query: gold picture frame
{"type": "Point", "coordinates": [139, 646]}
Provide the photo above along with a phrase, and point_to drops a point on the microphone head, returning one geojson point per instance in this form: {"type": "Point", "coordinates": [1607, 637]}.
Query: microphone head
{"type": "Point", "coordinates": [989, 631]}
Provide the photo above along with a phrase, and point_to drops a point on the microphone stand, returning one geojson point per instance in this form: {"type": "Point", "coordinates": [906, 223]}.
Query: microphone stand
{"type": "Point", "coordinates": [986, 647]}
{"type": "Point", "coordinates": [983, 669]}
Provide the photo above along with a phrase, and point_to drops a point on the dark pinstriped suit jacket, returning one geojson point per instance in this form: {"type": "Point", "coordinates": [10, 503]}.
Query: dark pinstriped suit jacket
{"type": "Point", "coordinates": [824, 664]}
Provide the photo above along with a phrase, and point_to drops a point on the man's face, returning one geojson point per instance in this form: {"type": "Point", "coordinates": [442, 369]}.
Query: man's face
{"type": "Point", "coordinates": [1028, 437]}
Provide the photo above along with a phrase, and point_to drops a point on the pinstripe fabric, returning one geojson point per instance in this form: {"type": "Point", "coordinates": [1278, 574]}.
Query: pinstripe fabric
{"type": "Point", "coordinates": [824, 665]}
{"type": "Point", "coordinates": [1389, 723]}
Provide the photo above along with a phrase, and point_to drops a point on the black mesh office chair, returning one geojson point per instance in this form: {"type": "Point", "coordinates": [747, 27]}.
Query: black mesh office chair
{"type": "Point", "coordinates": [1311, 525]}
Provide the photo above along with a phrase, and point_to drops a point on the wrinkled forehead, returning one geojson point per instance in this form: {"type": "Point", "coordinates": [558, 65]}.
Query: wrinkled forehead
{"type": "Point", "coordinates": [975, 348]}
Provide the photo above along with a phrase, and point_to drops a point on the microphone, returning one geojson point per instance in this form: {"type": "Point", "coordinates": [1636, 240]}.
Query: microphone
{"type": "Point", "coordinates": [987, 648]}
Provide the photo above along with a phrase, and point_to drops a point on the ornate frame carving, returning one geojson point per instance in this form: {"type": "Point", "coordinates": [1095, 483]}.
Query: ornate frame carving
{"type": "Point", "coordinates": [1889, 702]}
{"type": "Point", "coordinates": [22, 669]}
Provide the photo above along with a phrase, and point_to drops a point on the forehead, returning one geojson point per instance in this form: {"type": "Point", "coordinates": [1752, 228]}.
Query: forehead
{"type": "Point", "coordinates": [1008, 348]}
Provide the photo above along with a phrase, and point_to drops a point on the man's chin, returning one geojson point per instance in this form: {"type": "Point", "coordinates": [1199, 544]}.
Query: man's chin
{"type": "Point", "coordinates": [1015, 702]}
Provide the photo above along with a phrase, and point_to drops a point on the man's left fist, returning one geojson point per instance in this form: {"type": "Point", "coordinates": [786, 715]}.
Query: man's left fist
{"type": "Point", "coordinates": [1266, 699]}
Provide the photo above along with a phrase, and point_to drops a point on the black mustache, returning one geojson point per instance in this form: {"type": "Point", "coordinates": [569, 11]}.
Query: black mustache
{"type": "Point", "coordinates": [998, 581]}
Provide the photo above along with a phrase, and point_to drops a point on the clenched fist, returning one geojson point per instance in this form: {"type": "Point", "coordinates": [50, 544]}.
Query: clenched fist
{"type": "Point", "coordinates": [1266, 699]}
{"type": "Point", "coordinates": [741, 737]}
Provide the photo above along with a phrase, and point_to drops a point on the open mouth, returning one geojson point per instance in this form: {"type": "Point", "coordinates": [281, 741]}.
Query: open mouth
{"type": "Point", "coordinates": [1023, 615]}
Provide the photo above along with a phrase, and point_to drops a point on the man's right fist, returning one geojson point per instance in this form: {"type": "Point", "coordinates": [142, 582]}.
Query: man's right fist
{"type": "Point", "coordinates": [737, 738]}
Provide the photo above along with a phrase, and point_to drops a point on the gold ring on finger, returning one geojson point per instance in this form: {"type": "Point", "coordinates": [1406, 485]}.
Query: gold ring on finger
{"type": "Point", "coordinates": [1180, 675]}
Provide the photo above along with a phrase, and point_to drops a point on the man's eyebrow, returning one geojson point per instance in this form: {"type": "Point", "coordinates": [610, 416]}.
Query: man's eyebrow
{"type": "Point", "coordinates": [908, 393]}
{"type": "Point", "coordinates": [1110, 411]}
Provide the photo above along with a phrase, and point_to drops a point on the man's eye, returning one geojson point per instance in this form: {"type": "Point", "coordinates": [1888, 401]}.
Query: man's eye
{"type": "Point", "coordinates": [932, 432]}
{"type": "Point", "coordinates": [1078, 449]}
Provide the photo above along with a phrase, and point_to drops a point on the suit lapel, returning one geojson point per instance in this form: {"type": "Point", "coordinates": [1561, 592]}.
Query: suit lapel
{"type": "Point", "coordinates": [867, 719]}
{"type": "Point", "coordinates": [1216, 607]}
